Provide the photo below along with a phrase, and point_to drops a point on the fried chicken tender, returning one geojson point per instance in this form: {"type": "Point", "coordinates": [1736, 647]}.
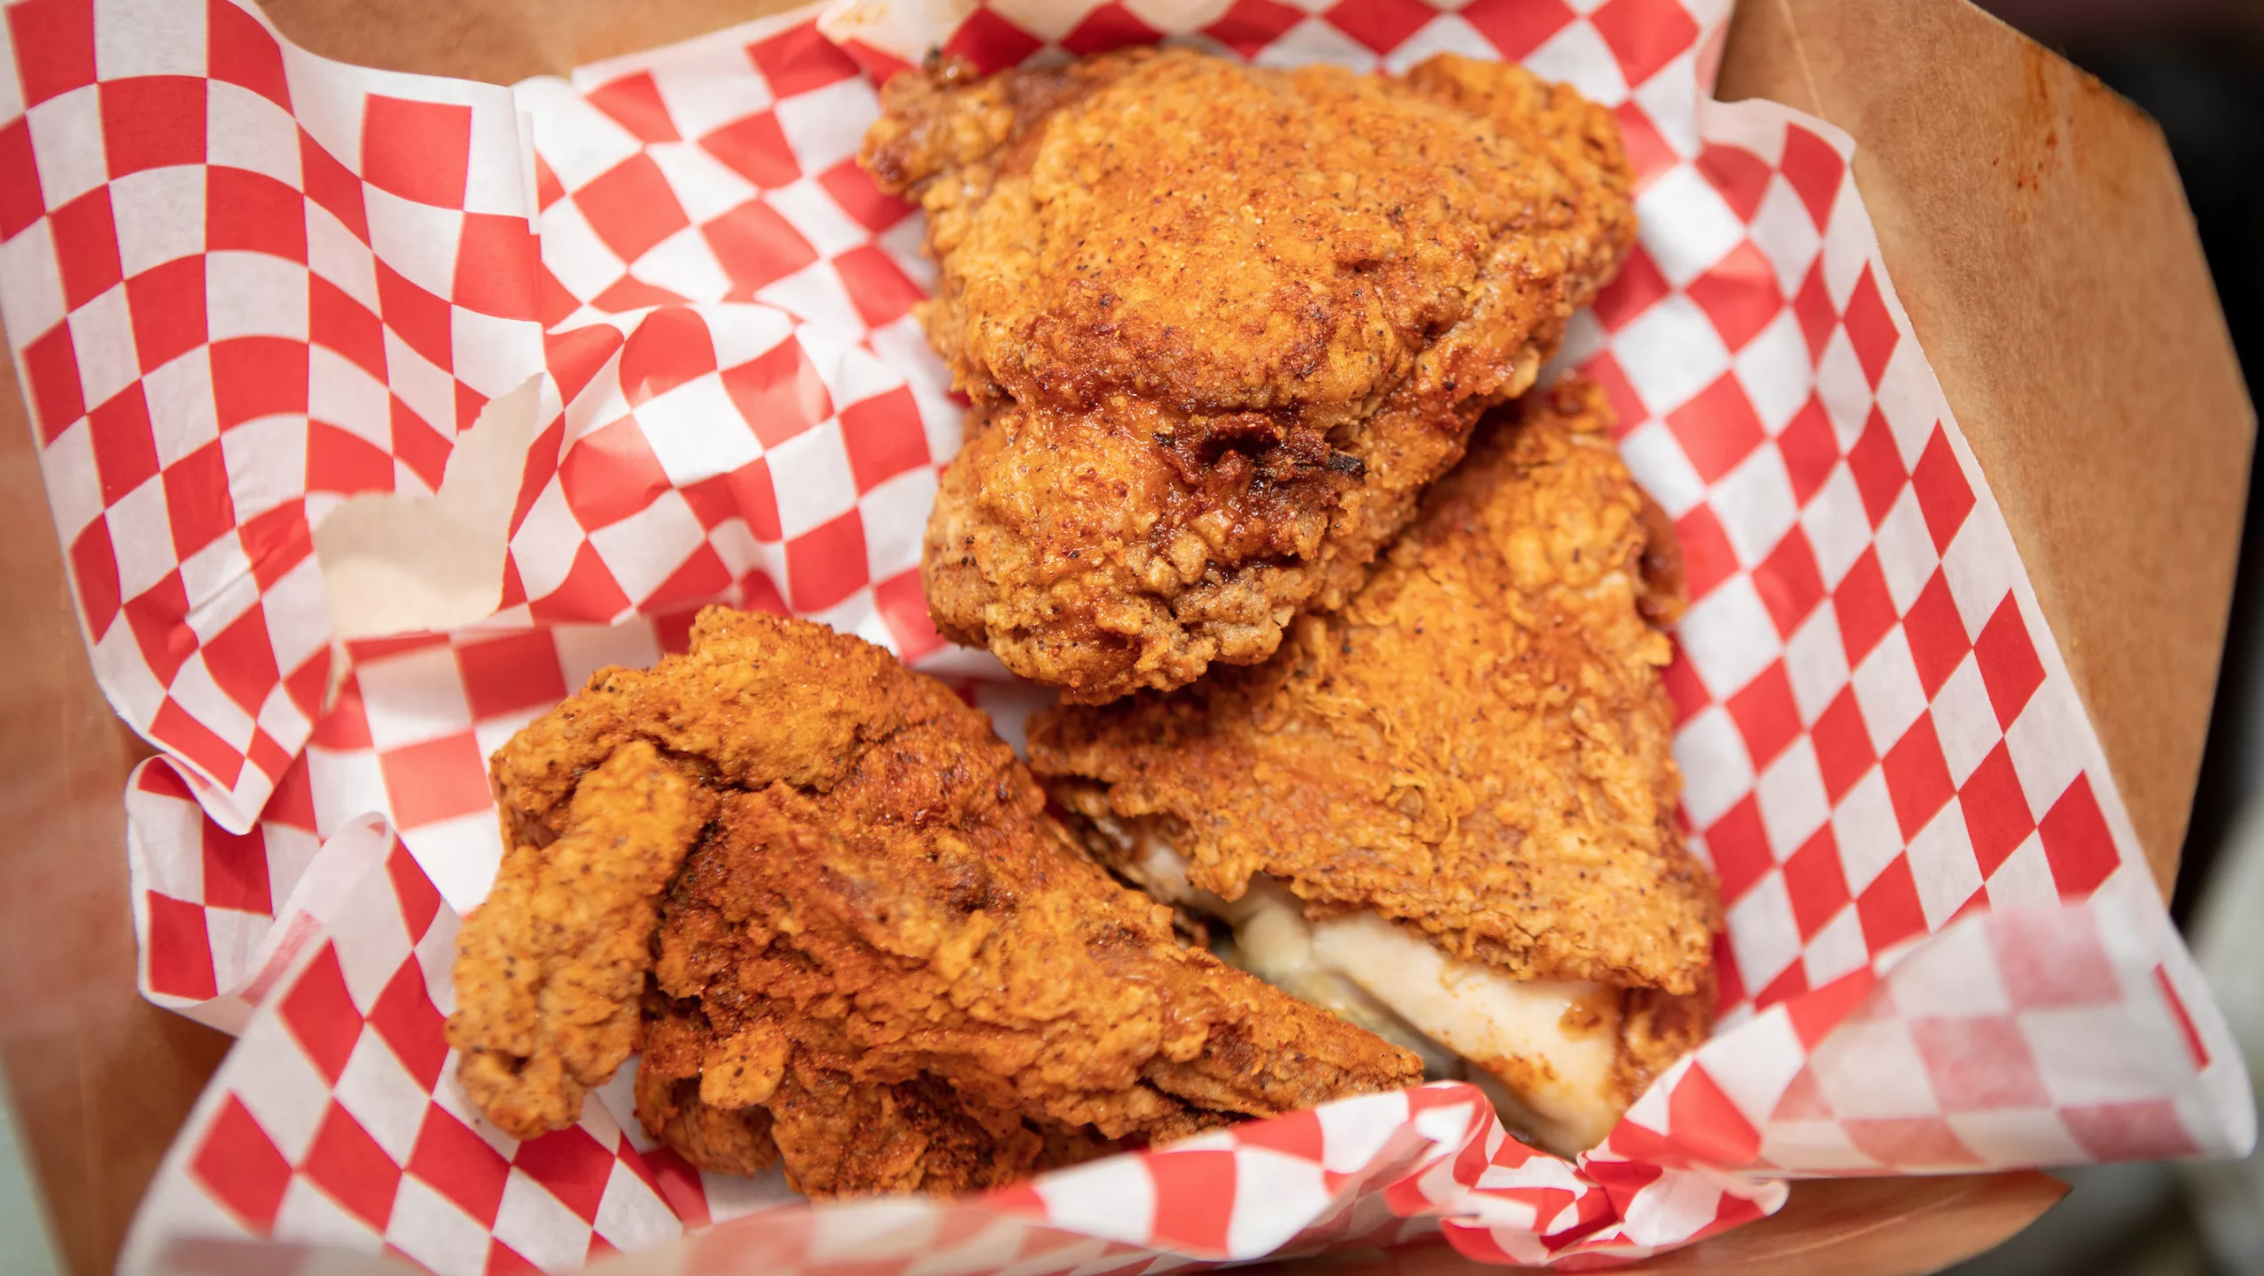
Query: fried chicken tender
{"type": "Point", "coordinates": [873, 954]}
{"type": "Point", "coordinates": [1471, 759]}
{"type": "Point", "coordinates": [1221, 325]}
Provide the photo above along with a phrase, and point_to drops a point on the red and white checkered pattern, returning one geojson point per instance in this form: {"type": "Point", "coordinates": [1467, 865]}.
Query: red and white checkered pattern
{"type": "Point", "coordinates": [1886, 759]}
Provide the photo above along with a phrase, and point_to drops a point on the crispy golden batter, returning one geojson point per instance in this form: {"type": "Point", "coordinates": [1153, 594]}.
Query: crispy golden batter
{"type": "Point", "coordinates": [1476, 746]}
{"type": "Point", "coordinates": [1221, 326]}
{"type": "Point", "coordinates": [880, 960]}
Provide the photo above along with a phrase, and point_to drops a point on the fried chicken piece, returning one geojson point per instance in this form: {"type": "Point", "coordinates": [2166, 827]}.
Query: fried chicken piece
{"type": "Point", "coordinates": [550, 968]}
{"type": "Point", "coordinates": [1452, 803]}
{"type": "Point", "coordinates": [875, 955]}
{"type": "Point", "coordinates": [1221, 325]}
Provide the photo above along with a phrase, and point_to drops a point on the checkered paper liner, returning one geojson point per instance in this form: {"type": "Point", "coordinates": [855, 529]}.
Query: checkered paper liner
{"type": "Point", "coordinates": [243, 282]}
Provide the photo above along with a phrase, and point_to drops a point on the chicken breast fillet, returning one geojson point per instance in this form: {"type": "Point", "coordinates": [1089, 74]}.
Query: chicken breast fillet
{"type": "Point", "coordinates": [834, 907]}
{"type": "Point", "coordinates": [1451, 805]}
{"type": "Point", "coordinates": [1220, 326]}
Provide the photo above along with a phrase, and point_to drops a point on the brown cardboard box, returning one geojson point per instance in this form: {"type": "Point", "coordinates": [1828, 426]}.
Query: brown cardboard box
{"type": "Point", "coordinates": [2042, 247]}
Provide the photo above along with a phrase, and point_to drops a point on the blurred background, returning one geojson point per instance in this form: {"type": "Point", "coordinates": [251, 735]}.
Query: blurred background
{"type": "Point", "coordinates": [2196, 66]}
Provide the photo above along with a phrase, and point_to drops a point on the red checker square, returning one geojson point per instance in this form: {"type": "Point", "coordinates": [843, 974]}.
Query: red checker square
{"type": "Point", "coordinates": [459, 1165]}
{"type": "Point", "coordinates": [1717, 428]}
{"type": "Point", "coordinates": [629, 293]}
{"type": "Point", "coordinates": [321, 1014]}
{"type": "Point", "coordinates": [1979, 1064]}
{"type": "Point", "coordinates": [701, 577]}
{"type": "Point", "coordinates": [2076, 841]}
{"type": "Point", "coordinates": [1766, 715]}
{"type": "Point", "coordinates": [799, 59]}
{"type": "Point", "coordinates": [1729, 989]}
{"type": "Point", "coordinates": [239, 51]}
{"type": "Point", "coordinates": [292, 803]}
{"type": "Point", "coordinates": [238, 1164]}
{"type": "Point", "coordinates": [1111, 26]}
{"type": "Point", "coordinates": [1708, 559]}
{"type": "Point", "coordinates": [1706, 1120]}
{"type": "Point", "coordinates": [1738, 844]}
{"type": "Point", "coordinates": [495, 267]}
{"type": "Point", "coordinates": [1626, 405]}
{"type": "Point", "coordinates": [571, 1165]}
{"type": "Point", "coordinates": [634, 103]}
{"type": "Point", "coordinates": [54, 42]}
{"type": "Point", "coordinates": [756, 148]}
{"type": "Point", "coordinates": [20, 201]}
{"type": "Point", "coordinates": [589, 592]}
{"type": "Point", "coordinates": [674, 630]}
{"type": "Point", "coordinates": [254, 377]}
{"type": "Point", "coordinates": [346, 725]}
{"type": "Point", "coordinates": [418, 317]}
{"type": "Point", "coordinates": [759, 592]}
{"type": "Point", "coordinates": [903, 606]}
{"type": "Point", "coordinates": [125, 445]}
{"type": "Point", "coordinates": [1645, 35]}
{"type": "Point", "coordinates": [1876, 466]}
{"type": "Point", "coordinates": [436, 780]}
{"type": "Point", "coordinates": [1382, 25]}
{"type": "Point", "coordinates": [1251, 25]}
{"type": "Point", "coordinates": [610, 474]}
{"type": "Point", "coordinates": [711, 501]}
{"type": "Point", "coordinates": [2142, 1130]}
{"type": "Point", "coordinates": [1812, 307]}
{"type": "Point", "coordinates": [883, 437]}
{"type": "Point", "coordinates": [1636, 288]}
{"type": "Point", "coordinates": [347, 1163]}
{"type": "Point", "coordinates": [420, 903]}
{"type": "Point", "coordinates": [1997, 819]}
{"type": "Point", "coordinates": [1791, 982]}
{"type": "Point", "coordinates": [178, 949]}
{"type": "Point", "coordinates": [668, 348]}
{"type": "Point", "coordinates": [265, 754]}
{"type": "Point", "coordinates": [152, 121]}
{"type": "Point", "coordinates": [548, 189]}
{"type": "Point", "coordinates": [827, 564]}
{"type": "Point", "coordinates": [197, 504]}
{"type": "Point", "coordinates": [1936, 633]}
{"type": "Point", "coordinates": [852, 188]}
{"type": "Point", "coordinates": [1815, 881]}
{"type": "Point", "coordinates": [86, 247]}
{"type": "Point", "coordinates": [1739, 294]}
{"type": "Point", "coordinates": [991, 42]}
{"type": "Point", "coordinates": [505, 675]}
{"type": "Point", "coordinates": [1870, 328]}
{"type": "Point", "coordinates": [1803, 1100]}
{"type": "Point", "coordinates": [779, 392]}
{"type": "Point", "coordinates": [345, 462]}
{"type": "Point", "coordinates": [502, 1260]}
{"type": "Point", "coordinates": [756, 247]}
{"type": "Point", "coordinates": [155, 616]}
{"type": "Point", "coordinates": [1739, 176]}
{"type": "Point", "coordinates": [420, 151]}
{"type": "Point", "coordinates": [1825, 1008]}
{"type": "Point", "coordinates": [1517, 27]}
{"type": "Point", "coordinates": [1684, 687]}
{"type": "Point", "coordinates": [575, 358]}
{"type": "Point", "coordinates": [1790, 583]}
{"type": "Point", "coordinates": [2052, 960]}
{"type": "Point", "coordinates": [241, 659]}
{"type": "Point", "coordinates": [176, 729]}
{"type": "Point", "coordinates": [344, 326]}
{"type": "Point", "coordinates": [331, 184]}
{"type": "Point", "coordinates": [1809, 448]}
{"type": "Point", "coordinates": [1888, 908]}
{"type": "Point", "coordinates": [1865, 609]}
{"type": "Point", "coordinates": [1812, 168]}
{"type": "Point", "coordinates": [1944, 497]}
{"type": "Point", "coordinates": [277, 539]}
{"type": "Point", "coordinates": [1918, 779]}
{"type": "Point", "coordinates": [1912, 1142]}
{"type": "Point", "coordinates": [252, 212]}
{"type": "Point", "coordinates": [94, 570]}
{"type": "Point", "coordinates": [51, 365]}
{"type": "Point", "coordinates": [1194, 1198]}
{"type": "Point", "coordinates": [877, 286]}
{"type": "Point", "coordinates": [2006, 655]}
{"type": "Point", "coordinates": [631, 207]}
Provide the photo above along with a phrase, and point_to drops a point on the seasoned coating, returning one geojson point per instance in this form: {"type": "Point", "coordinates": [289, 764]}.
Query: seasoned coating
{"type": "Point", "coordinates": [1477, 746]}
{"type": "Point", "coordinates": [549, 970]}
{"type": "Point", "coordinates": [1220, 326]}
{"type": "Point", "coordinates": [882, 962]}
